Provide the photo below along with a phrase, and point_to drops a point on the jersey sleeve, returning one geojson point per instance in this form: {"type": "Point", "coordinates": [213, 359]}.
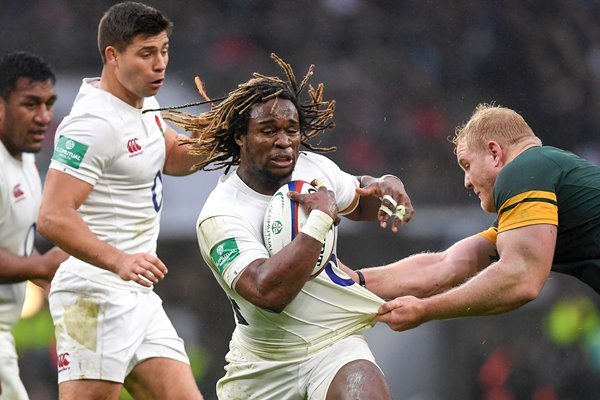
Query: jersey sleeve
{"type": "Point", "coordinates": [525, 193]}
{"type": "Point", "coordinates": [228, 246]}
{"type": "Point", "coordinates": [83, 147]}
{"type": "Point", "coordinates": [490, 234]}
{"type": "Point", "coordinates": [343, 185]}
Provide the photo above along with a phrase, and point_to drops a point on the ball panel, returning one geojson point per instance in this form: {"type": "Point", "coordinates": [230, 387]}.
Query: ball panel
{"type": "Point", "coordinates": [285, 217]}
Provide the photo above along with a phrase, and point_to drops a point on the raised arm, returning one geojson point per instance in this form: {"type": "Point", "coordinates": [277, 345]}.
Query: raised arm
{"type": "Point", "coordinates": [515, 279]}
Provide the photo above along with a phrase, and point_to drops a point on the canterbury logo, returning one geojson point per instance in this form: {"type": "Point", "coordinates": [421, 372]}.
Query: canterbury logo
{"type": "Point", "coordinates": [17, 192]}
{"type": "Point", "coordinates": [62, 361]}
{"type": "Point", "coordinates": [133, 146]}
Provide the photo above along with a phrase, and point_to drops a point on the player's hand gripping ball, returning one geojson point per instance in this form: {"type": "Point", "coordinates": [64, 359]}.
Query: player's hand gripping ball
{"type": "Point", "coordinates": [283, 219]}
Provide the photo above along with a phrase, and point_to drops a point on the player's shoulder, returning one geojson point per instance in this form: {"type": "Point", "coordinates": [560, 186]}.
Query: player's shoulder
{"type": "Point", "coordinates": [310, 157]}
{"type": "Point", "coordinates": [221, 199]}
{"type": "Point", "coordinates": [537, 168]}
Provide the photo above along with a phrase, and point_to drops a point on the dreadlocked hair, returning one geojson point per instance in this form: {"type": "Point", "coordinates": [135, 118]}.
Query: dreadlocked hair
{"type": "Point", "coordinates": [218, 126]}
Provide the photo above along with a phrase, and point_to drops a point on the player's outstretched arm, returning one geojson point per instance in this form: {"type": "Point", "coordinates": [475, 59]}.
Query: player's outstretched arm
{"type": "Point", "coordinates": [427, 273]}
{"type": "Point", "coordinates": [383, 199]}
{"type": "Point", "coordinates": [515, 279]}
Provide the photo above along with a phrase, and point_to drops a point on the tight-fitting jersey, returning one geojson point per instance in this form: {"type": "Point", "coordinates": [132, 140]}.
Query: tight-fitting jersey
{"type": "Point", "coordinates": [329, 307]}
{"type": "Point", "coordinates": [20, 194]}
{"type": "Point", "coordinates": [546, 185]}
{"type": "Point", "coordinates": [120, 151]}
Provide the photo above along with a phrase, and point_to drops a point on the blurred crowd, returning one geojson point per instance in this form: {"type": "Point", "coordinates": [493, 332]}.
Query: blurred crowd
{"type": "Point", "coordinates": [404, 73]}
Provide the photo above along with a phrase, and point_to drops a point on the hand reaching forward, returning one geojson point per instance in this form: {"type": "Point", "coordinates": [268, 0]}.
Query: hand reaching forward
{"type": "Point", "coordinates": [402, 313]}
{"type": "Point", "coordinates": [141, 268]}
{"type": "Point", "coordinates": [395, 203]}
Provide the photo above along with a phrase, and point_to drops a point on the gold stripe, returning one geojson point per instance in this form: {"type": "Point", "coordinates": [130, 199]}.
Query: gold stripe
{"type": "Point", "coordinates": [528, 213]}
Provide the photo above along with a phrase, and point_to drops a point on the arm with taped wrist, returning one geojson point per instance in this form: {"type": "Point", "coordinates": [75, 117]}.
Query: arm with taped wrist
{"type": "Point", "coordinates": [317, 225]}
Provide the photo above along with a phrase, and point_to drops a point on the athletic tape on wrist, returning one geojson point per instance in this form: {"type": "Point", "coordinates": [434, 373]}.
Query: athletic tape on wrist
{"type": "Point", "coordinates": [317, 225]}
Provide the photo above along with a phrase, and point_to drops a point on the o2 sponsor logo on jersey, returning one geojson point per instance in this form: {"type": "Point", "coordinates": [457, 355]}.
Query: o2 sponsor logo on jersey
{"type": "Point", "coordinates": [134, 147]}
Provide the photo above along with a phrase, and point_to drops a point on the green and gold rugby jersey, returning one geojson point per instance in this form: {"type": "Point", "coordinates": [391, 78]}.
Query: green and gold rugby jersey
{"type": "Point", "coordinates": [546, 185]}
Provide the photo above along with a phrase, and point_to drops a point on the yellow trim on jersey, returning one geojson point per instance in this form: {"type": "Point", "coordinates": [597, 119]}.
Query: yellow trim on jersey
{"type": "Point", "coordinates": [529, 208]}
{"type": "Point", "coordinates": [490, 234]}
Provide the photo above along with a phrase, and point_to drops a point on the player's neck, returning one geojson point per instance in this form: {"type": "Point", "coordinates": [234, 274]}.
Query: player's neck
{"type": "Point", "coordinates": [522, 146]}
{"type": "Point", "coordinates": [109, 83]}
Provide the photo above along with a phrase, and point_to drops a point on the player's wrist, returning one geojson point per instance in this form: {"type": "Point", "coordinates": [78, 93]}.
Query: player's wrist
{"type": "Point", "coordinates": [317, 225]}
{"type": "Point", "coordinates": [361, 278]}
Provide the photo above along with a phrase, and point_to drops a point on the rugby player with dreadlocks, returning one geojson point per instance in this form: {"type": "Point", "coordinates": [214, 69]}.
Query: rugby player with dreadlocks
{"type": "Point", "coordinates": [295, 337]}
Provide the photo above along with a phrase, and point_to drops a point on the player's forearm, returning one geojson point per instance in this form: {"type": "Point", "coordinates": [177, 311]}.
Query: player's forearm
{"type": "Point", "coordinates": [275, 282]}
{"type": "Point", "coordinates": [420, 275]}
{"type": "Point", "coordinates": [497, 289]}
{"type": "Point", "coordinates": [68, 231]}
{"type": "Point", "coordinates": [14, 268]}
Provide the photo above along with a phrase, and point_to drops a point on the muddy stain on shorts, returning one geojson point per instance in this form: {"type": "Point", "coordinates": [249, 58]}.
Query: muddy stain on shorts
{"type": "Point", "coordinates": [81, 321]}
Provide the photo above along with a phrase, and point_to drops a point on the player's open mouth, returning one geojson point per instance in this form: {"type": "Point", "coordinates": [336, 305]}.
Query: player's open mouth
{"type": "Point", "coordinates": [157, 83]}
{"type": "Point", "coordinates": [282, 161]}
{"type": "Point", "coordinates": [38, 135]}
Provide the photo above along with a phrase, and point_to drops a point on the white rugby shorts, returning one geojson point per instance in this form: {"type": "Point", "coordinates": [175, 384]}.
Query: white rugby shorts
{"type": "Point", "coordinates": [12, 387]}
{"type": "Point", "coordinates": [103, 333]}
{"type": "Point", "coordinates": [251, 378]}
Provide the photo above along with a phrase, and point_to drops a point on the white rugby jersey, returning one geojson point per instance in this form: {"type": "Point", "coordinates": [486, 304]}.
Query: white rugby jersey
{"type": "Point", "coordinates": [328, 308]}
{"type": "Point", "coordinates": [121, 152]}
{"type": "Point", "coordinates": [20, 195]}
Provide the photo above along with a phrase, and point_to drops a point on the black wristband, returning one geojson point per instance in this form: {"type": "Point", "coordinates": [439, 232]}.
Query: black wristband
{"type": "Point", "coordinates": [361, 278]}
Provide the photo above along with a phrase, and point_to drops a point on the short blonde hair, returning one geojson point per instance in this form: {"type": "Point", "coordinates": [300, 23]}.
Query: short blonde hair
{"type": "Point", "coordinates": [492, 122]}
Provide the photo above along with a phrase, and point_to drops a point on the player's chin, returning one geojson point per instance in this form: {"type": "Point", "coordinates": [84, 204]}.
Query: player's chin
{"type": "Point", "coordinates": [33, 147]}
{"type": "Point", "coordinates": [486, 206]}
{"type": "Point", "coordinates": [281, 171]}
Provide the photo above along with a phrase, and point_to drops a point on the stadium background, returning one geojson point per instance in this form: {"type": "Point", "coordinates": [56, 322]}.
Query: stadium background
{"type": "Point", "coordinates": [404, 74]}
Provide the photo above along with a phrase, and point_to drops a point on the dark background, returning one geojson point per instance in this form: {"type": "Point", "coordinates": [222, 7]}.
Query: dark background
{"type": "Point", "coordinates": [404, 74]}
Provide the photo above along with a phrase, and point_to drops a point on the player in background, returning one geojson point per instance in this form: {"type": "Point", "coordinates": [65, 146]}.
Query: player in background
{"type": "Point", "coordinates": [547, 202]}
{"type": "Point", "coordinates": [295, 337]}
{"type": "Point", "coordinates": [27, 96]}
{"type": "Point", "coordinates": [101, 203]}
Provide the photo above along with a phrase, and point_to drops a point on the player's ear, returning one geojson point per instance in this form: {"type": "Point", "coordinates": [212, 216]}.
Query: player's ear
{"type": "Point", "coordinates": [110, 55]}
{"type": "Point", "coordinates": [496, 150]}
{"type": "Point", "coordinates": [238, 138]}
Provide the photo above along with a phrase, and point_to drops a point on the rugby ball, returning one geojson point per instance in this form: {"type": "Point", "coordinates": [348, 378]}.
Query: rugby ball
{"type": "Point", "coordinates": [285, 217]}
